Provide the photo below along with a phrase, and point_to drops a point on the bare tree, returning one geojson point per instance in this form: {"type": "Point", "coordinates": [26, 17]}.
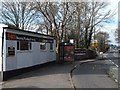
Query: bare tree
{"type": "Point", "coordinates": [103, 41]}
{"type": "Point", "coordinates": [88, 16]}
{"type": "Point", "coordinates": [18, 14]}
{"type": "Point", "coordinates": [94, 16]}
{"type": "Point", "coordinates": [57, 15]}
{"type": "Point", "coordinates": [58, 19]}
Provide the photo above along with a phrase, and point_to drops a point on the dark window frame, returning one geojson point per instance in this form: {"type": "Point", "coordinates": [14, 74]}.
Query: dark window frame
{"type": "Point", "coordinates": [21, 45]}
{"type": "Point", "coordinates": [51, 46]}
{"type": "Point", "coordinates": [43, 46]}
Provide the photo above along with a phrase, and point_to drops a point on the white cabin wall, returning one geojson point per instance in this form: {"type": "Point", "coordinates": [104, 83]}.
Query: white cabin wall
{"type": "Point", "coordinates": [51, 54]}
{"type": "Point", "coordinates": [33, 57]}
{"type": "Point", "coordinates": [11, 61]}
{"type": "Point", "coordinates": [23, 59]}
{"type": "Point", "coordinates": [42, 56]}
{"type": "Point", "coordinates": [36, 53]}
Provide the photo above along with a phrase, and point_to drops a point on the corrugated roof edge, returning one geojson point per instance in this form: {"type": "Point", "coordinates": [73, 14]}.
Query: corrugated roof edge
{"type": "Point", "coordinates": [27, 31]}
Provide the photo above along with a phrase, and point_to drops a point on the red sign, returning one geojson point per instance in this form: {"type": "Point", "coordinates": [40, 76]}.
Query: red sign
{"type": "Point", "coordinates": [11, 36]}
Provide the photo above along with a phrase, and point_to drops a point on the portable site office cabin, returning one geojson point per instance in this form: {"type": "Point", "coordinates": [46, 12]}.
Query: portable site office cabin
{"type": "Point", "coordinates": [23, 50]}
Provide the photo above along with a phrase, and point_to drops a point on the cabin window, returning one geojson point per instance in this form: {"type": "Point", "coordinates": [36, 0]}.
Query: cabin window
{"type": "Point", "coordinates": [23, 45]}
{"type": "Point", "coordinates": [43, 46]}
{"type": "Point", "coordinates": [51, 46]}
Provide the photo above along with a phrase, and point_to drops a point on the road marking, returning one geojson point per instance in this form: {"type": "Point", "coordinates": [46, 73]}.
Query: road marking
{"type": "Point", "coordinates": [116, 80]}
{"type": "Point", "coordinates": [116, 65]}
{"type": "Point", "coordinates": [115, 55]}
{"type": "Point", "coordinates": [71, 81]}
{"type": "Point", "coordinates": [114, 68]}
{"type": "Point", "coordinates": [87, 61]}
{"type": "Point", "coordinates": [113, 63]}
{"type": "Point", "coordinates": [111, 60]}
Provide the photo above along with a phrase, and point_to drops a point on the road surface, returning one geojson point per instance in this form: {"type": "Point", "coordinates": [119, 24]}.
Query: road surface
{"type": "Point", "coordinates": [114, 58]}
{"type": "Point", "coordinates": [93, 75]}
{"type": "Point", "coordinates": [87, 75]}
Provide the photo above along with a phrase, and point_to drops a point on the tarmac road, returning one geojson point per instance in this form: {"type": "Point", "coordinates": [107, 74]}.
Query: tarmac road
{"type": "Point", "coordinates": [87, 75]}
{"type": "Point", "coordinates": [114, 69]}
{"type": "Point", "coordinates": [92, 75]}
{"type": "Point", "coordinates": [113, 57]}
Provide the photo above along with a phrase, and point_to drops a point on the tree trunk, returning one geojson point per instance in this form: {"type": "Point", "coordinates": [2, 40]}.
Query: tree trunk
{"type": "Point", "coordinates": [90, 37]}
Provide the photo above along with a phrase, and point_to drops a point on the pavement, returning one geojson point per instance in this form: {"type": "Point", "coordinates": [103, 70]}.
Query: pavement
{"type": "Point", "coordinates": [68, 75]}
{"type": "Point", "coordinates": [52, 76]}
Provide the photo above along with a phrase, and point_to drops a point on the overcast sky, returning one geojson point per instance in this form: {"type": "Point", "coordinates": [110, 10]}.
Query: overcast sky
{"type": "Point", "coordinates": [111, 27]}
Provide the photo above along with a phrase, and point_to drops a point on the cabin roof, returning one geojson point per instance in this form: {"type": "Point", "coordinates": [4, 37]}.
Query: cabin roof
{"type": "Point", "coordinates": [27, 31]}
